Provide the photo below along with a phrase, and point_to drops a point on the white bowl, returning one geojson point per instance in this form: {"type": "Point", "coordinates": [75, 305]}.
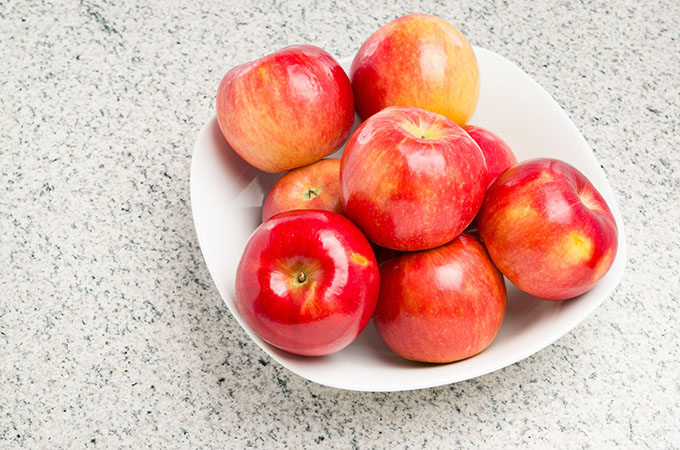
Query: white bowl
{"type": "Point", "coordinates": [226, 200]}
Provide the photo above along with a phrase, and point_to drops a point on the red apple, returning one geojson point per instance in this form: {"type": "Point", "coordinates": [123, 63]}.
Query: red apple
{"type": "Point", "coordinates": [307, 282]}
{"type": "Point", "coordinates": [287, 109]}
{"type": "Point", "coordinates": [497, 154]}
{"type": "Point", "coordinates": [316, 186]}
{"type": "Point", "coordinates": [441, 305]}
{"type": "Point", "coordinates": [548, 229]}
{"type": "Point", "coordinates": [411, 179]}
{"type": "Point", "coordinates": [417, 60]}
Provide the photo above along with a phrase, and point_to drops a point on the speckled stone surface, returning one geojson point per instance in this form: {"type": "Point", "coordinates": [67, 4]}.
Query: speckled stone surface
{"type": "Point", "coordinates": [112, 334]}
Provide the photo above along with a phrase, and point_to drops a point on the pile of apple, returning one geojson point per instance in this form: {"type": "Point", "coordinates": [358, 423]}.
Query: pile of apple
{"type": "Point", "coordinates": [413, 177]}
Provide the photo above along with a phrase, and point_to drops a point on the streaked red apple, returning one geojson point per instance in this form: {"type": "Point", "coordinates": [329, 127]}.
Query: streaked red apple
{"type": "Point", "coordinates": [441, 305]}
{"type": "Point", "coordinates": [316, 186]}
{"type": "Point", "coordinates": [497, 153]}
{"type": "Point", "coordinates": [307, 282]}
{"type": "Point", "coordinates": [416, 60]}
{"type": "Point", "coordinates": [411, 179]}
{"type": "Point", "coordinates": [287, 109]}
{"type": "Point", "coordinates": [548, 229]}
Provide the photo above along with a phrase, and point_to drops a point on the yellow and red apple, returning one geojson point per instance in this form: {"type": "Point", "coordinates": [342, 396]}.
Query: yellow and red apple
{"type": "Point", "coordinates": [440, 305]}
{"type": "Point", "coordinates": [417, 60]}
{"type": "Point", "coordinates": [316, 186]}
{"type": "Point", "coordinates": [286, 110]}
{"type": "Point", "coordinates": [411, 179]}
{"type": "Point", "coordinates": [548, 229]}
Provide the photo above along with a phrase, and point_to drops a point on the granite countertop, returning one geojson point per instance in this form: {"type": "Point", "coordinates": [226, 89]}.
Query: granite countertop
{"type": "Point", "coordinates": [112, 333]}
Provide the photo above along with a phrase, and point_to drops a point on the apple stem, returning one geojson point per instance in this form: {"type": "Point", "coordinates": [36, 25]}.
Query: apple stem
{"type": "Point", "coordinates": [311, 193]}
{"type": "Point", "coordinates": [301, 277]}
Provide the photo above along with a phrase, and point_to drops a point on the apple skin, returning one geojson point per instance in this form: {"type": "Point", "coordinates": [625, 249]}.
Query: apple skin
{"type": "Point", "coordinates": [287, 109]}
{"type": "Point", "coordinates": [441, 305]}
{"type": "Point", "coordinates": [411, 179]}
{"type": "Point", "coordinates": [330, 306]}
{"type": "Point", "coordinates": [497, 153]}
{"type": "Point", "coordinates": [316, 186]}
{"type": "Point", "coordinates": [548, 229]}
{"type": "Point", "coordinates": [417, 60]}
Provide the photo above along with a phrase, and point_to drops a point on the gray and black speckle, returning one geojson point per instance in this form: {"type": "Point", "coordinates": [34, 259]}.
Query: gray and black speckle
{"type": "Point", "coordinates": [111, 331]}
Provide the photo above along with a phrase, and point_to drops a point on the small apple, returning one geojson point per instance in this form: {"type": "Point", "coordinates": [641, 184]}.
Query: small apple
{"type": "Point", "coordinates": [411, 179]}
{"type": "Point", "coordinates": [497, 154]}
{"type": "Point", "coordinates": [548, 229]}
{"type": "Point", "coordinates": [316, 186]}
{"type": "Point", "coordinates": [287, 109]}
{"type": "Point", "coordinates": [307, 282]}
{"type": "Point", "coordinates": [416, 60]}
{"type": "Point", "coordinates": [441, 305]}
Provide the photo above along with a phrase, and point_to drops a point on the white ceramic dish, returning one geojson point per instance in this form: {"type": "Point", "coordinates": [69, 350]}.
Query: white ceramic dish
{"type": "Point", "coordinates": [226, 199]}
